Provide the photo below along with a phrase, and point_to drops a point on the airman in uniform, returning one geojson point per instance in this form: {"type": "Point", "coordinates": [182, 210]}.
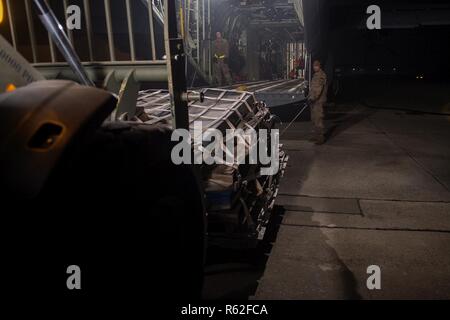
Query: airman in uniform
{"type": "Point", "coordinates": [317, 98]}
{"type": "Point", "coordinates": [221, 51]}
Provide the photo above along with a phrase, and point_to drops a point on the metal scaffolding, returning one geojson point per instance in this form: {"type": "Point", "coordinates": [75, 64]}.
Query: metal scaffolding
{"type": "Point", "coordinates": [195, 17]}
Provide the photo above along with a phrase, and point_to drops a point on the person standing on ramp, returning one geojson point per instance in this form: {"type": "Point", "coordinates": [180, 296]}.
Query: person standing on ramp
{"type": "Point", "coordinates": [221, 52]}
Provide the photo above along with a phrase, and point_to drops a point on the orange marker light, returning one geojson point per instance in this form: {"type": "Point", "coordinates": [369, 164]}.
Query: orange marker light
{"type": "Point", "coordinates": [10, 87]}
{"type": "Point", "coordinates": [1, 11]}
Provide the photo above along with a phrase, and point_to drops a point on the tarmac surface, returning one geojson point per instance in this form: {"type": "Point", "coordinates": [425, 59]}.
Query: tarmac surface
{"type": "Point", "coordinates": [377, 193]}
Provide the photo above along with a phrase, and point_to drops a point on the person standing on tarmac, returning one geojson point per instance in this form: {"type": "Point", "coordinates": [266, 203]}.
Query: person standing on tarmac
{"type": "Point", "coordinates": [316, 100]}
{"type": "Point", "coordinates": [221, 51]}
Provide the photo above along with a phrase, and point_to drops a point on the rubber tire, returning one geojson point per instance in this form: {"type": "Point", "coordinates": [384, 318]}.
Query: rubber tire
{"type": "Point", "coordinates": [117, 207]}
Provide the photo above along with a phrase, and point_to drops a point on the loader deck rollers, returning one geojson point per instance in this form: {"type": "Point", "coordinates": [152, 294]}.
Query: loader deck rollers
{"type": "Point", "coordinates": [238, 199]}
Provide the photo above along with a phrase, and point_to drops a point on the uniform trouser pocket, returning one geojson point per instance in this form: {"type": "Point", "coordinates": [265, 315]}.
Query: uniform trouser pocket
{"type": "Point", "coordinates": [317, 115]}
{"type": "Point", "coordinates": [221, 70]}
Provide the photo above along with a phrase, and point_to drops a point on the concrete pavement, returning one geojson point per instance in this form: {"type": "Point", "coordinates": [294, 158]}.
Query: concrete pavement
{"type": "Point", "coordinates": [378, 193]}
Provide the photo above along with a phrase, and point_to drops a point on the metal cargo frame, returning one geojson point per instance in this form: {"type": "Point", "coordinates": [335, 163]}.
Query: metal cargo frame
{"type": "Point", "coordinates": [149, 70]}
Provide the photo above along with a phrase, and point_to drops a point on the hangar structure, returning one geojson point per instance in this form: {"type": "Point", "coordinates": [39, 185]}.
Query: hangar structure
{"type": "Point", "coordinates": [266, 39]}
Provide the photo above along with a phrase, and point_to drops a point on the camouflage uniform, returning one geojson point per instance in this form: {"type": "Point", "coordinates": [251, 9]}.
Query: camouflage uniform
{"type": "Point", "coordinates": [221, 51]}
{"type": "Point", "coordinates": [318, 97]}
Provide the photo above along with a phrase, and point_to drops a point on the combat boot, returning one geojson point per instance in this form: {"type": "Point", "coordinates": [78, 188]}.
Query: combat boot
{"type": "Point", "coordinates": [320, 140]}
